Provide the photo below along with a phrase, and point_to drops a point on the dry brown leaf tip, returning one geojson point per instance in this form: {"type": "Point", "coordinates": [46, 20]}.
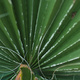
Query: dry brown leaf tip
{"type": "Point", "coordinates": [74, 1]}
{"type": "Point", "coordinates": [35, 78]}
{"type": "Point", "coordinates": [18, 77]}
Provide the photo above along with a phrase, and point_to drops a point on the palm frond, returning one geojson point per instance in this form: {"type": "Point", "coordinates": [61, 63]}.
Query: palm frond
{"type": "Point", "coordinates": [44, 35]}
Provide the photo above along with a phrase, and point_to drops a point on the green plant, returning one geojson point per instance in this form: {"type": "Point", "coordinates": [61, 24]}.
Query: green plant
{"type": "Point", "coordinates": [41, 35]}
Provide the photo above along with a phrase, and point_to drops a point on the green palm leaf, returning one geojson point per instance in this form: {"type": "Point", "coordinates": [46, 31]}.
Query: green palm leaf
{"type": "Point", "coordinates": [41, 35]}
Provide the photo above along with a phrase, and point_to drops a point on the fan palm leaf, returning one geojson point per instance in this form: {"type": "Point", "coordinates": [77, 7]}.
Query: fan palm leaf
{"type": "Point", "coordinates": [39, 39]}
